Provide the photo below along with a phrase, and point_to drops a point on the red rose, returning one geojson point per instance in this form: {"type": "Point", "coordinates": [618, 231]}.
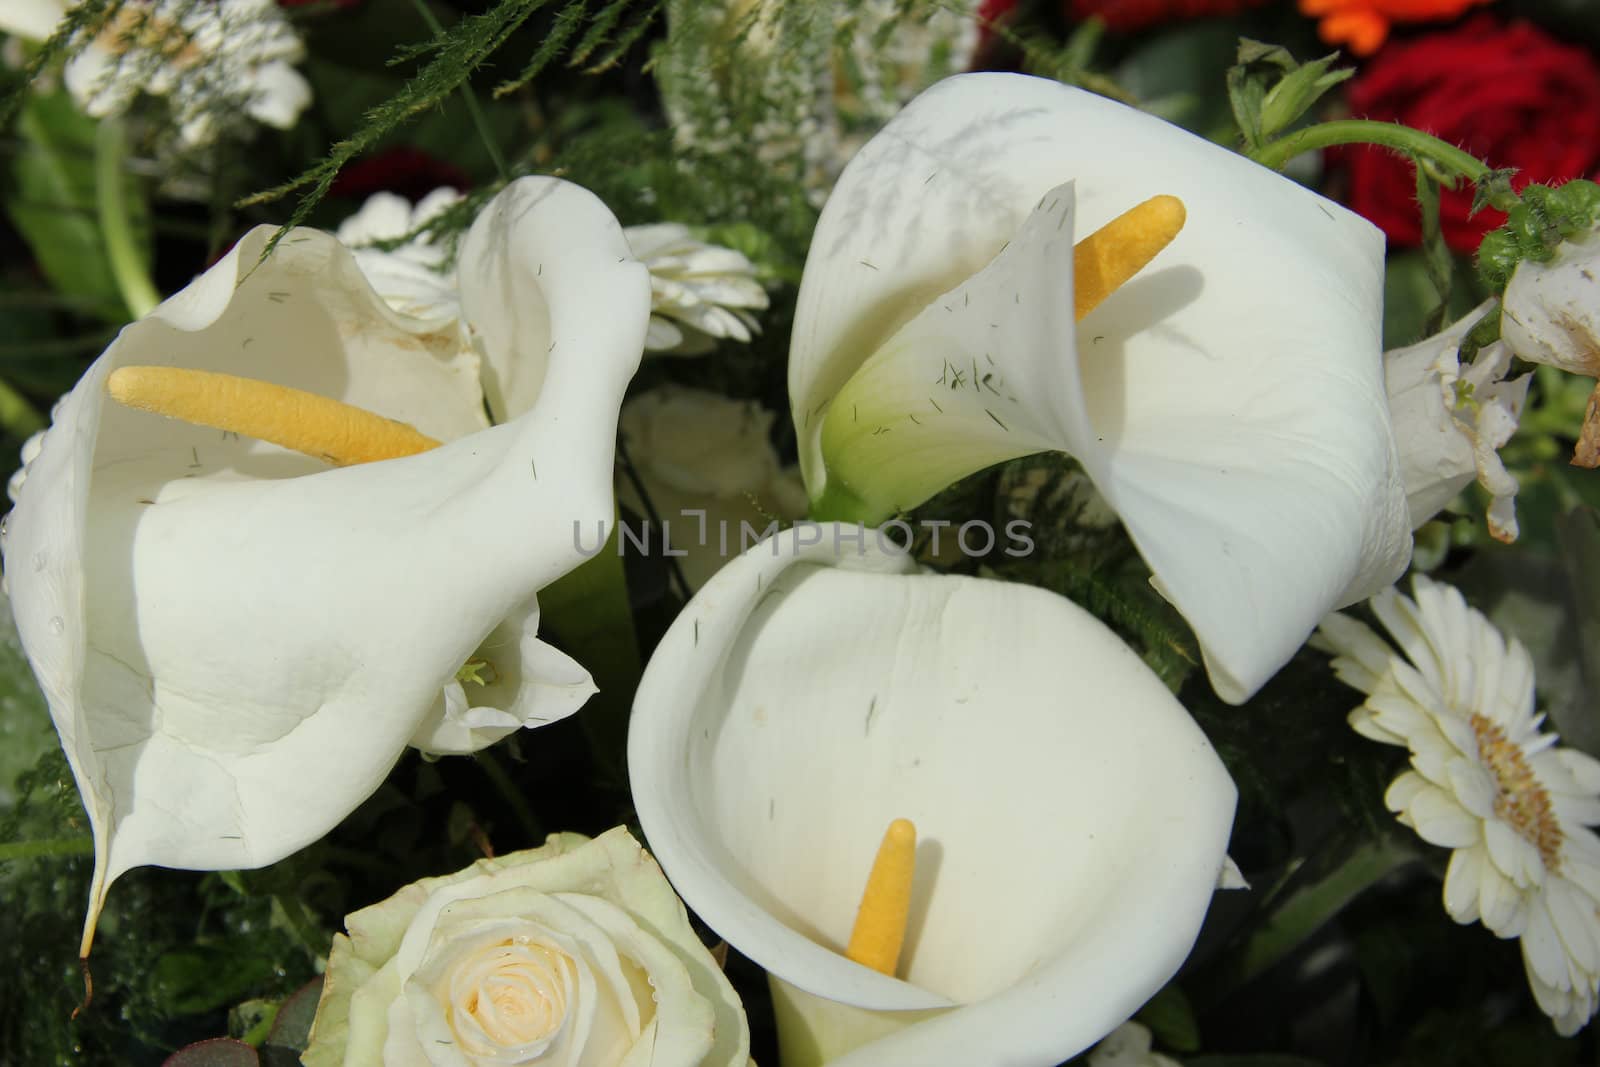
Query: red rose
{"type": "Point", "coordinates": [409, 172]}
{"type": "Point", "coordinates": [1508, 93]}
{"type": "Point", "coordinates": [1130, 15]}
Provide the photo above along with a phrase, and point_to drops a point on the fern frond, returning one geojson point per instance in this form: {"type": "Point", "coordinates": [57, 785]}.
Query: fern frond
{"type": "Point", "coordinates": [568, 21]}
{"type": "Point", "coordinates": [77, 27]}
{"type": "Point", "coordinates": [458, 52]}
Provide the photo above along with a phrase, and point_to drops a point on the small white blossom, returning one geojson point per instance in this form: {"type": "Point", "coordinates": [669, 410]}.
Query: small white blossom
{"type": "Point", "coordinates": [1485, 782]}
{"type": "Point", "coordinates": [1450, 420]}
{"type": "Point", "coordinates": [416, 278]}
{"type": "Point", "coordinates": [1129, 1045]}
{"type": "Point", "coordinates": [210, 61]}
{"type": "Point", "coordinates": [700, 293]}
{"type": "Point", "coordinates": [1552, 315]}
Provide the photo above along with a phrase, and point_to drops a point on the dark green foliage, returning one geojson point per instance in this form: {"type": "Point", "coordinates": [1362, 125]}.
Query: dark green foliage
{"type": "Point", "coordinates": [450, 60]}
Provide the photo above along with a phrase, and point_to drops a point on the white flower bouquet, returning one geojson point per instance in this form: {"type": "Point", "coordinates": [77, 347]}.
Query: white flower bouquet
{"type": "Point", "coordinates": [620, 534]}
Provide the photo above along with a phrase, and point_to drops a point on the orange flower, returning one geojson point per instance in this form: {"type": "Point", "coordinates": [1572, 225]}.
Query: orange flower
{"type": "Point", "coordinates": [1363, 25]}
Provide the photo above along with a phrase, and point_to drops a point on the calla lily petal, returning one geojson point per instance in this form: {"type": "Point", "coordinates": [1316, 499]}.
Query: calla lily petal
{"type": "Point", "coordinates": [1074, 818]}
{"type": "Point", "coordinates": [1228, 402]}
{"type": "Point", "coordinates": [236, 642]}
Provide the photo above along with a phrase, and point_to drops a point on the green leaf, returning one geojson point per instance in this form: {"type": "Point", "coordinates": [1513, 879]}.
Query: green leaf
{"type": "Point", "coordinates": [217, 1052]}
{"type": "Point", "coordinates": [1309, 899]}
{"type": "Point", "coordinates": [292, 1028]}
{"type": "Point", "coordinates": [588, 610]}
{"type": "Point", "coordinates": [199, 978]}
{"type": "Point", "coordinates": [1170, 1017]}
{"type": "Point", "coordinates": [26, 732]}
{"type": "Point", "coordinates": [1175, 74]}
{"type": "Point", "coordinates": [53, 204]}
{"type": "Point", "coordinates": [1270, 90]}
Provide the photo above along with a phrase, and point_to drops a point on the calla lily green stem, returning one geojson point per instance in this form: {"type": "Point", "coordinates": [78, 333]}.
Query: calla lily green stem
{"type": "Point", "coordinates": [116, 225]}
{"type": "Point", "coordinates": [1276, 154]}
{"type": "Point", "coordinates": [839, 504]}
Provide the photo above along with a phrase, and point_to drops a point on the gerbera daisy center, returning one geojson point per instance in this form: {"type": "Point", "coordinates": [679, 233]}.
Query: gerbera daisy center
{"type": "Point", "coordinates": [1520, 798]}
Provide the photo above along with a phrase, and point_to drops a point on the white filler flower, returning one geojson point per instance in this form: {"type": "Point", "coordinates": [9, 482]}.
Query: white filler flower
{"type": "Point", "coordinates": [576, 954]}
{"type": "Point", "coordinates": [1129, 1045]}
{"type": "Point", "coordinates": [1450, 421]}
{"type": "Point", "coordinates": [1552, 315]}
{"type": "Point", "coordinates": [211, 60]}
{"type": "Point", "coordinates": [1485, 782]}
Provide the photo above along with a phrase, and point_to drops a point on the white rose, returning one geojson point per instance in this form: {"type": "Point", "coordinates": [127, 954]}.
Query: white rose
{"type": "Point", "coordinates": [699, 452]}
{"type": "Point", "coordinates": [574, 953]}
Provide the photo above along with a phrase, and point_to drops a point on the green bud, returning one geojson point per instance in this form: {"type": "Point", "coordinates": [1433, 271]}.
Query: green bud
{"type": "Point", "coordinates": [1574, 207]}
{"type": "Point", "coordinates": [1498, 256]}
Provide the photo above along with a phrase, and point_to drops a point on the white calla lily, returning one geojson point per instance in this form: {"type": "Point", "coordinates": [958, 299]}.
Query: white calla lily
{"type": "Point", "coordinates": [1228, 403]}
{"type": "Point", "coordinates": [237, 642]}
{"type": "Point", "coordinates": [1074, 818]}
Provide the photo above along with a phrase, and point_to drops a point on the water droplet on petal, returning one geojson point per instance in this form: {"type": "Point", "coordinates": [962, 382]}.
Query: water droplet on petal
{"type": "Point", "coordinates": [57, 624]}
{"type": "Point", "coordinates": [39, 560]}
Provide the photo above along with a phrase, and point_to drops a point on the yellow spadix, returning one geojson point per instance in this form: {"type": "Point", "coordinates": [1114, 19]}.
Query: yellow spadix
{"type": "Point", "coordinates": [880, 927]}
{"type": "Point", "coordinates": [325, 429]}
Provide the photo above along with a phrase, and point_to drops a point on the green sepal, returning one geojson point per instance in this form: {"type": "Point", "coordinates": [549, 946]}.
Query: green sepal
{"type": "Point", "coordinates": [1269, 90]}
{"type": "Point", "coordinates": [1298, 92]}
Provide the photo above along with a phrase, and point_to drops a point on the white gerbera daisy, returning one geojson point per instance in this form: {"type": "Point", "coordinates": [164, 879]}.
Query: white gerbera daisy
{"type": "Point", "coordinates": [700, 293]}
{"type": "Point", "coordinates": [1485, 782]}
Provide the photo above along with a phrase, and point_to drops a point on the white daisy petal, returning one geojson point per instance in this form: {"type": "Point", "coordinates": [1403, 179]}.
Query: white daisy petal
{"type": "Point", "coordinates": [1510, 852]}
{"type": "Point", "coordinates": [1585, 769]}
{"type": "Point", "coordinates": [1574, 923]}
{"type": "Point", "coordinates": [1497, 898]}
{"type": "Point", "coordinates": [1461, 882]}
{"type": "Point", "coordinates": [1542, 948]}
{"type": "Point", "coordinates": [1474, 788]}
{"type": "Point", "coordinates": [1441, 821]}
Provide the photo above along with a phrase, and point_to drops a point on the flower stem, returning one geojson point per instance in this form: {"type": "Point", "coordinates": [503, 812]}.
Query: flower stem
{"type": "Point", "coordinates": [479, 120]}
{"type": "Point", "coordinates": [11, 851]}
{"type": "Point", "coordinates": [1277, 153]}
{"type": "Point", "coordinates": [1349, 872]}
{"type": "Point", "coordinates": [514, 798]}
{"type": "Point", "coordinates": [116, 226]}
